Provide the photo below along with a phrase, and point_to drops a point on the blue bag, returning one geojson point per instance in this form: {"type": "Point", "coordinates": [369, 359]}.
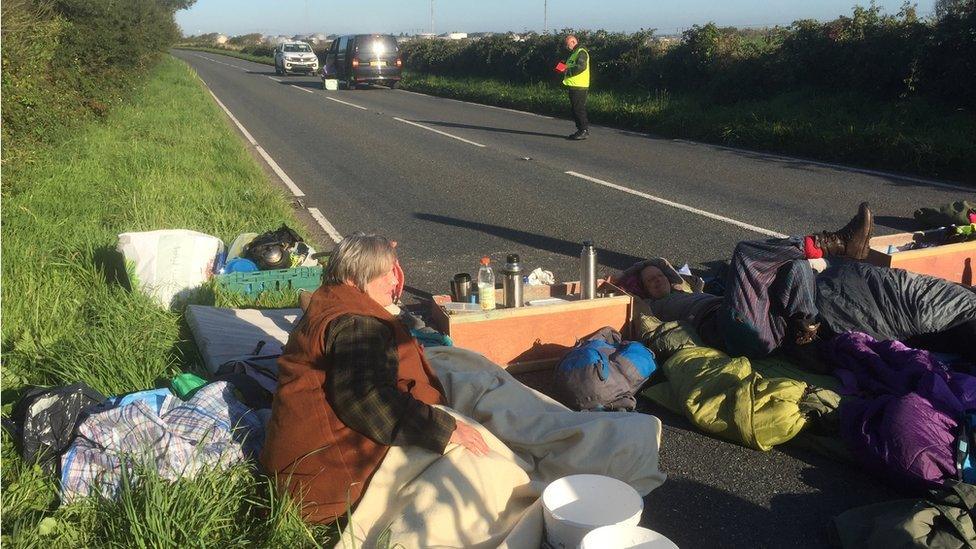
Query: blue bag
{"type": "Point", "coordinates": [602, 372]}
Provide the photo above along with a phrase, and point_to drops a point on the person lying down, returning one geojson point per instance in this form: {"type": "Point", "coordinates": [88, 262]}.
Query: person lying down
{"type": "Point", "coordinates": [439, 446]}
{"type": "Point", "coordinates": [774, 300]}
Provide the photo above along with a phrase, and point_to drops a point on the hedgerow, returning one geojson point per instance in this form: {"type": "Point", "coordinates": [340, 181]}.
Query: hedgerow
{"type": "Point", "coordinates": [885, 56]}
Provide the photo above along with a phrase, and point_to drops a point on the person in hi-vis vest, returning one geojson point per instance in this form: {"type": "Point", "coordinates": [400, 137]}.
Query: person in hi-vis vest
{"type": "Point", "coordinates": [576, 78]}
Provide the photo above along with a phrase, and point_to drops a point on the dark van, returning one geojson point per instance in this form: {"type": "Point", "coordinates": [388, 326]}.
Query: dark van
{"type": "Point", "coordinates": [360, 59]}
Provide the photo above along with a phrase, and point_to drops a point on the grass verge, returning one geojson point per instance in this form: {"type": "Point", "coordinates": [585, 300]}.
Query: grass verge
{"type": "Point", "coordinates": [231, 53]}
{"type": "Point", "coordinates": [167, 158]}
{"type": "Point", "coordinates": [910, 136]}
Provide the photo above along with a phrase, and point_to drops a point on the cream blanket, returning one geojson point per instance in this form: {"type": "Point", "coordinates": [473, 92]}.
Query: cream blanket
{"type": "Point", "coordinates": [421, 499]}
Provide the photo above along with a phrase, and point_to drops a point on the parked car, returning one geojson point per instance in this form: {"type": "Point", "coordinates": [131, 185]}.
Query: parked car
{"type": "Point", "coordinates": [295, 57]}
{"type": "Point", "coordinates": [361, 59]}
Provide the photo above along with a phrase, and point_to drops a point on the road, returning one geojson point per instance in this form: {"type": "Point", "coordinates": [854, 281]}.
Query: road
{"type": "Point", "coordinates": [454, 181]}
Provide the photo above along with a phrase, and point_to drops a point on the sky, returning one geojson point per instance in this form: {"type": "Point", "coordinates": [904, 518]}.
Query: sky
{"type": "Point", "coordinates": [233, 17]}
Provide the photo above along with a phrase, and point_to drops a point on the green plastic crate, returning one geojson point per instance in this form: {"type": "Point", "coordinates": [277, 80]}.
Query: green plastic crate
{"type": "Point", "coordinates": [252, 284]}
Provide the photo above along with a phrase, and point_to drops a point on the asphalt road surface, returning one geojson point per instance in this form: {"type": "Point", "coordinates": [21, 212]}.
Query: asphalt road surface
{"type": "Point", "coordinates": [455, 181]}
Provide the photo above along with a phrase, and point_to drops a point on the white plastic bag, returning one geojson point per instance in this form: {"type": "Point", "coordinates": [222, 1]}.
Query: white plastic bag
{"type": "Point", "coordinates": [169, 265]}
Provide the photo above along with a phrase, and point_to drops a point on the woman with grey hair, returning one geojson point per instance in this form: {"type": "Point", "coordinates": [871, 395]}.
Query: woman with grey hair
{"type": "Point", "coordinates": [352, 382]}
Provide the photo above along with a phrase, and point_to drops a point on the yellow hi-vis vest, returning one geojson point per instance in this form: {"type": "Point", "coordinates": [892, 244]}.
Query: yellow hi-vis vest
{"type": "Point", "coordinates": [581, 80]}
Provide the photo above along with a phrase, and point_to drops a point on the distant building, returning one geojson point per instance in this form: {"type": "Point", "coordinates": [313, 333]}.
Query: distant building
{"type": "Point", "coordinates": [318, 38]}
{"type": "Point", "coordinates": [480, 35]}
{"type": "Point", "coordinates": [454, 35]}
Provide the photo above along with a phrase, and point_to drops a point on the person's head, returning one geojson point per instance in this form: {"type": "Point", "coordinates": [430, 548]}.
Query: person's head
{"type": "Point", "coordinates": [365, 261]}
{"type": "Point", "coordinates": [655, 283]}
{"type": "Point", "coordinates": [570, 42]}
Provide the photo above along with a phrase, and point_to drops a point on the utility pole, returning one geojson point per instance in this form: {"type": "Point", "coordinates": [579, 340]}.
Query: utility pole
{"type": "Point", "coordinates": [545, 16]}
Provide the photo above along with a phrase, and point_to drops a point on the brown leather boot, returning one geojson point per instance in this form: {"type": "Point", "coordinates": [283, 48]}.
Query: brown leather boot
{"type": "Point", "coordinates": [851, 241]}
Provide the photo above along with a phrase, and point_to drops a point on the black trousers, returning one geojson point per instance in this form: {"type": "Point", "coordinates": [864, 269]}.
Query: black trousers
{"type": "Point", "coordinates": [577, 101]}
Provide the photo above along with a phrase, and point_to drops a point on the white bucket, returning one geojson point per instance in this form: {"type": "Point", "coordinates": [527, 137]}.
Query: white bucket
{"type": "Point", "coordinates": [574, 505]}
{"type": "Point", "coordinates": [625, 537]}
{"type": "Point", "coordinates": [331, 84]}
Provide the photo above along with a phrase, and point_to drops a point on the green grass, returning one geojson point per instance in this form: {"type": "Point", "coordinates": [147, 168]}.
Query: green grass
{"type": "Point", "coordinates": [231, 53]}
{"type": "Point", "coordinates": [909, 136]}
{"type": "Point", "coordinates": [167, 158]}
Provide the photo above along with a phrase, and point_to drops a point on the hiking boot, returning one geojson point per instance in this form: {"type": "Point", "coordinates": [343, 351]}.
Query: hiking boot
{"type": "Point", "coordinates": [580, 135]}
{"type": "Point", "coordinates": [804, 330]}
{"type": "Point", "coordinates": [853, 239]}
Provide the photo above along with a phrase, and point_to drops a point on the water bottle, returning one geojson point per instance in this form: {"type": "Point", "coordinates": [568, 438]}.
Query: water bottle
{"type": "Point", "coordinates": [512, 281]}
{"type": "Point", "coordinates": [588, 271]}
{"type": "Point", "coordinates": [486, 285]}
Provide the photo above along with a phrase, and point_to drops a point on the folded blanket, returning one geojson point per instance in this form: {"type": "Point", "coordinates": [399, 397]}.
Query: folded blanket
{"type": "Point", "coordinates": [422, 499]}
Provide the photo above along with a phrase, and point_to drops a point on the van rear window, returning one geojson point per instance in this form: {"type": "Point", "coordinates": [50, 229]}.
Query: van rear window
{"type": "Point", "coordinates": [378, 45]}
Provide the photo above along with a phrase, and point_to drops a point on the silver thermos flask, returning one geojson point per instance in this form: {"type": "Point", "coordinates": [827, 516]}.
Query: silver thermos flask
{"type": "Point", "coordinates": [512, 281]}
{"type": "Point", "coordinates": [588, 271]}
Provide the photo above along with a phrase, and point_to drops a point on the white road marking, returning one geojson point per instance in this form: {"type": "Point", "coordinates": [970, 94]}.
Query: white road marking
{"type": "Point", "coordinates": [297, 87]}
{"type": "Point", "coordinates": [267, 158]}
{"type": "Point", "coordinates": [680, 206]}
{"type": "Point", "coordinates": [247, 134]}
{"type": "Point", "coordinates": [324, 223]}
{"type": "Point", "coordinates": [273, 78]}
{"type": "Point", "coordinates": [281, 173]}
{"type": "Point", "coordinates": [445, 134]}
{"type": "Point", "coordinates": [347, 103]}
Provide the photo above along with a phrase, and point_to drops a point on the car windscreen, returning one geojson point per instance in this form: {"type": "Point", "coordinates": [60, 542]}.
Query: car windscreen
{"type": "Point", "coordinates": [376, 45]}
{"type": "Point", "coordinates": [292, 48]}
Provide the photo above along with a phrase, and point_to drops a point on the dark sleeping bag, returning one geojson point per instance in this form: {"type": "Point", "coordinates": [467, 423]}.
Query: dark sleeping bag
{"type": "Point", "coordinates": [890, 303]}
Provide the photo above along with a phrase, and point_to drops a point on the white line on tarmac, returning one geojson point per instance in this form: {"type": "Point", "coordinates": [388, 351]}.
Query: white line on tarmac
{"type": "Point", "coordinates": [267, 158]}
{"type": "Point", "coordinates": [324, 223]}
{"type": "Point", "coordinates": [273, 78]}
{"type": "Point", "coordinates": [247, 134]}
{"type": "Point", "coordinates": [673, 204]}
{"type": "Point", "coordinates": [281, 173]}
{"type": "Point", "coordinates": [297, 87]}
{"type": "Point", "coordinates": [445, 134]}
{"type": "Point", "coordinates": [347, 103]}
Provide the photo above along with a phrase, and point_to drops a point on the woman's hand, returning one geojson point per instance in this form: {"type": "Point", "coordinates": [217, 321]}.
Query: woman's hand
{"type": "Point", "coordinates": [470, 438]}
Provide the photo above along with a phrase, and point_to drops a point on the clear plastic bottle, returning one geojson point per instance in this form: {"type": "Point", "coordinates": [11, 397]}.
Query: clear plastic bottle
{"type": "Point", "coordinates": [486, 285]}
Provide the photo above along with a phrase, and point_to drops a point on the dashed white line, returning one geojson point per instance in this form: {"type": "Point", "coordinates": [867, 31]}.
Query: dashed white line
{"type": "Point", "coordinates": [445, 134]}
{"type": "Point", "coordinates": [347, 103]}
{"type": "Point", "coordinates": [297, 87]}
{"type": "Point", "coordinates": [273, 78]}
{"type": "Point", "coordinates": [324, 223]}
{"type": "Point", "coordinates": [678, 205]}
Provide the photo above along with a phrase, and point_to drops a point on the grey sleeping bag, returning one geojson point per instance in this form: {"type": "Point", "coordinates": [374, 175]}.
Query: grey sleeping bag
{"type": "Point", "coordinates": [890, 303]}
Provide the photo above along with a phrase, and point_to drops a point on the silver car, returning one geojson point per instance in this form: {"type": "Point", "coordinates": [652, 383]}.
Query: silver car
{"type": "Point", "coordinates": [292, 57]}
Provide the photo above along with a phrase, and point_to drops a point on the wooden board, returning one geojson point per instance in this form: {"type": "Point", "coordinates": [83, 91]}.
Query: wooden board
{"type": "Point", "coordinates": [953, 262]}
{"type": "Point", "coordinates": [534, 337]}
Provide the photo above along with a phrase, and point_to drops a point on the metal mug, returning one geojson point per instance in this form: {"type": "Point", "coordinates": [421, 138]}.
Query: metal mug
{"type": "Point", "coordinates": [461, 288]}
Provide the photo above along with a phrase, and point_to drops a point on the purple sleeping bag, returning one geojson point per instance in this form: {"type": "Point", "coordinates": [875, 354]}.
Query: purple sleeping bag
{"type": "Point", "coordinates": [904, 423]}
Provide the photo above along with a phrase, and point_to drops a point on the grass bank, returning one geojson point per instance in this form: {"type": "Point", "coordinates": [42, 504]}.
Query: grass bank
{"type": "Point", "coordinates": [231, 53]}
{"type": "Point", "coordinates": [911, 136]}
{"type": "Point", "coordinates": [166, 158]}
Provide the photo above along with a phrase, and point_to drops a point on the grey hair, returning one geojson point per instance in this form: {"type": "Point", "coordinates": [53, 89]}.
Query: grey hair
{"type": "Point", "coordinates": [359, 258]}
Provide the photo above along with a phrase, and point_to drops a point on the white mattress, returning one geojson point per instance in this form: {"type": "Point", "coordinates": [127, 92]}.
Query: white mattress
{"type": "Point", "coordinates": [223, 335]}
